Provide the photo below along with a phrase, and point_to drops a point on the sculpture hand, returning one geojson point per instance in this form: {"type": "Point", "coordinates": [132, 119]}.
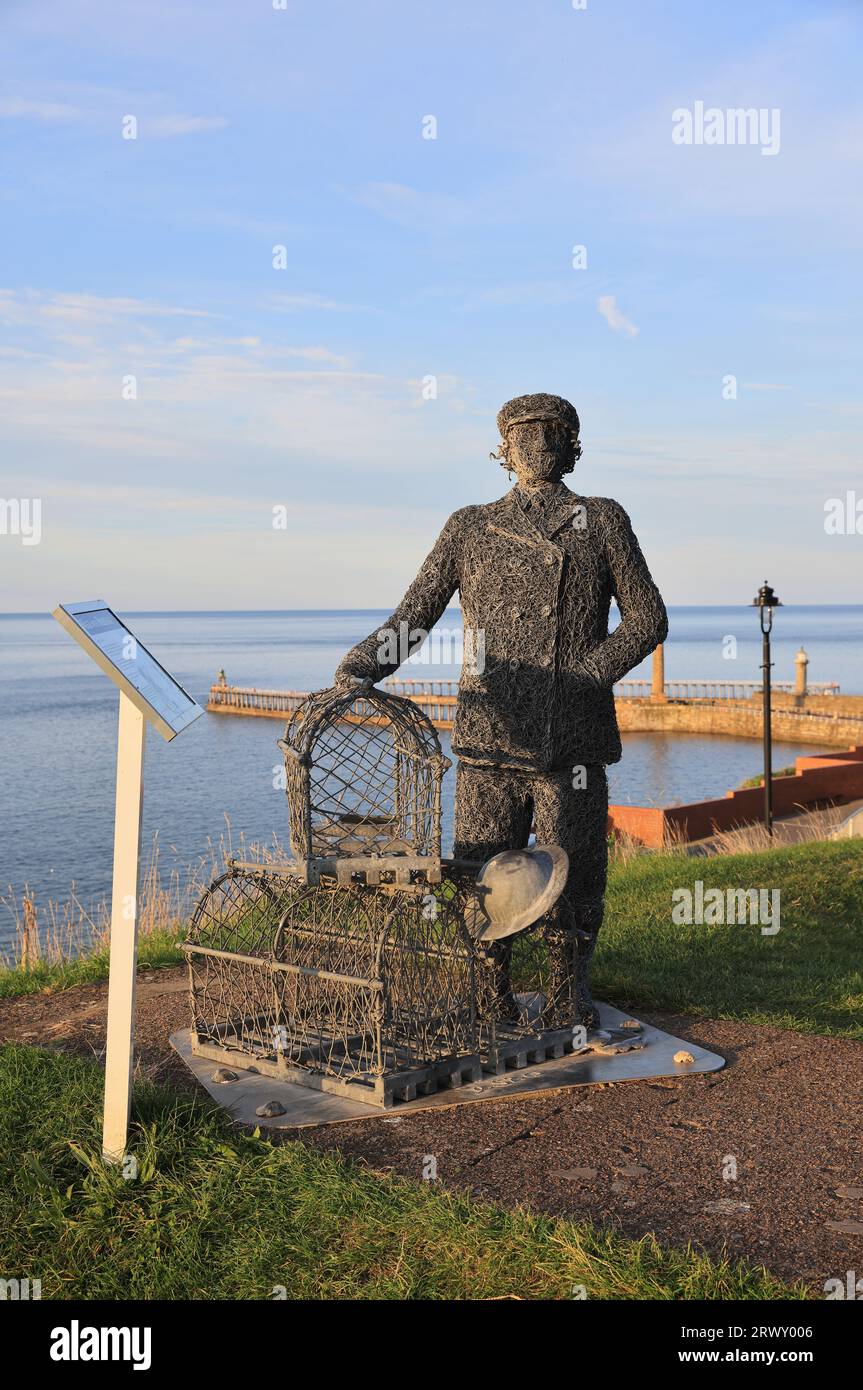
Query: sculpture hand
{"type": "Point", "coordinates": [361, 684]}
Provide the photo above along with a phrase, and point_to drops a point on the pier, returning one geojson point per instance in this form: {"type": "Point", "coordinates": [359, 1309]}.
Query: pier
{"type": "Point", "coordinates": [803, 712]}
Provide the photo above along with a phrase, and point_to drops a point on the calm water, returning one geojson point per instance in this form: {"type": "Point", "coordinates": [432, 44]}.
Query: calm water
{"type": "Point", "coordinates": [58, 729]}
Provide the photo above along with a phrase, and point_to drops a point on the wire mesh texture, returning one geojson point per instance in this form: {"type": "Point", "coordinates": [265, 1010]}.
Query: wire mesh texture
{"type": "Point", "coordinates": [353, 963]}
{"type": "Point", "coordinates": [363, 777]}
{"type": "Point", "coordinates": [520, 994]}
{"type": "Point", "coordinates": [349, 982]}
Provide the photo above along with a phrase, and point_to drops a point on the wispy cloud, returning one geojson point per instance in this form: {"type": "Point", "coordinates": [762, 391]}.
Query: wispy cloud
{"type": "Point", "coordinates": [616, 320]}
{"type": "Point", "coordinates": [206, 392]}
{"type": "Point", "coordinates": [411, 207]}
{"type": "Point", "coordinates": [165, 127]}
{"type": "Point", "coordinates": [32, 306]}
{"type": "Point", "coordinates": [94, 105]}
{"type": "Point", "coordinates": [52, 112]}
{"type": "Point", "coordinates": [289, 303]}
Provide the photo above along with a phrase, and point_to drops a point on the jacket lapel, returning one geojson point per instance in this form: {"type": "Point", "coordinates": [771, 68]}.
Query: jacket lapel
{"type": "Point", "coordinates": [567, 521]}
{"type": "Point", "coordinates": [510, 519]}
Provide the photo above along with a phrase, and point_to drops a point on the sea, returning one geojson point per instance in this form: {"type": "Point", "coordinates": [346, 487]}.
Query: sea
{"type": "Point", "coordinates": [218, 783]}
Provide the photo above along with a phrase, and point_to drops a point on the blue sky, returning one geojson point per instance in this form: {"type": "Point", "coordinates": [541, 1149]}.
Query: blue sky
{"type": "Point", "coordinates": [408, 258]}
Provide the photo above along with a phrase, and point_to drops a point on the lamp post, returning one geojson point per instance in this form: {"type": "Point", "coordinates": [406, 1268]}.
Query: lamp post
{"type": "Point", "coordinates": [765, 601]}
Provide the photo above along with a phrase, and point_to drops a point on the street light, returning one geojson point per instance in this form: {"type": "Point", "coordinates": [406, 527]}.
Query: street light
{"type": "Point", "coordinates": [765, 600]}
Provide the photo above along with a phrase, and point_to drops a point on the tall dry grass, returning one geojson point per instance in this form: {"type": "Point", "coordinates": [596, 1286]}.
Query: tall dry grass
{"type": "Point", "coordinates": [803, 828]}
{"type": "Point", "coordinates": [61, 931]}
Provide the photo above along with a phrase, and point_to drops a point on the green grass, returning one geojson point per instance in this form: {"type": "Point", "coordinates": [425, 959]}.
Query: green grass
{"type": "Point", "coordinates": [809, 977]}
{"type": "Point", "coordinates": [219, 1214]}
{"type": "Point", "coordinates": [155, 951]}
{"type": "Point", "coordinates": [758, 779]}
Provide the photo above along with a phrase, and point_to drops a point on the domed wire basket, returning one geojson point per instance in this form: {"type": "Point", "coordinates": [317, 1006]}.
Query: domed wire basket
{"type": "Point", "coordinates": [363, 777]}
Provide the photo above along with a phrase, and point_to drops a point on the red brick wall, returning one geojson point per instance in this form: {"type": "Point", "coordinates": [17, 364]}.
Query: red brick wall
{"type": "Point", "coordinates": [824, 778]}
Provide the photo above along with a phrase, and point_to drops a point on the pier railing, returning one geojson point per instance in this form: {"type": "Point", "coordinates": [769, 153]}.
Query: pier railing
{"type": "Point", "coordinates": [437, 698]}
{"type": "Point", "coordinates": [717, 689]}
{"type": "Point", "coordinates": [626, 689]}
{"type": "Point", "coordinates": [238, 699]}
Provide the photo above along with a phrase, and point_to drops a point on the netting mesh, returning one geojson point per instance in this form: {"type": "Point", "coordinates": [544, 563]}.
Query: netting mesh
{"type": "Point", "coordinates": [363, 777]}
{"type": "Point", "coordinates": [351, 982]}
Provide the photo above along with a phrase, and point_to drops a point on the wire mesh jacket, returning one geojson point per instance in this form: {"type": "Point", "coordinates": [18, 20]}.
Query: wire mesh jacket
{"type": "Point", "coordinates": [535, 610]}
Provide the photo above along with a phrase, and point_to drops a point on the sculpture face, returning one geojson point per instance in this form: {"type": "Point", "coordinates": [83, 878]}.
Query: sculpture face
{"type": "Point", "coordinates": [540, 451]}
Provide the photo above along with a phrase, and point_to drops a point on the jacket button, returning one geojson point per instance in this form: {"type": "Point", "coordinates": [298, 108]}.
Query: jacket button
{"type": "Point", "coordinates": [545, 661]}
{"type": "Point", "coordinates": [549, 559]}
{"type": "Point", "coordinates": [547, 611]}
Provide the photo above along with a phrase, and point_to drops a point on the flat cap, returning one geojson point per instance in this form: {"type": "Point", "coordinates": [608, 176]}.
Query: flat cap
{"type": "Point", "coordinates": [539, 406]}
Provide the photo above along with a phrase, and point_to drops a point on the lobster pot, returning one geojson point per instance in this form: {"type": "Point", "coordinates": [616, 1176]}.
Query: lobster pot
{"type": "Point", "coordinates": [228, 949]}
{"type": "Point", "coordinates": [363, 778]}
{"type": "Point", "coordinates": [351, 989]}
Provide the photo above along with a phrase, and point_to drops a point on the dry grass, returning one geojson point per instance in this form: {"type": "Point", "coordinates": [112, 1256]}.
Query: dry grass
{"type": "Point", "coordinates": [63, 931]}
{"type": "Point", "coordinates": [805, 828]}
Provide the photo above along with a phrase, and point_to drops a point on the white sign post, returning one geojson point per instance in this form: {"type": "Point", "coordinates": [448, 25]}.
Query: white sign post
{"type": "Point", "coordinates": [148, 694]}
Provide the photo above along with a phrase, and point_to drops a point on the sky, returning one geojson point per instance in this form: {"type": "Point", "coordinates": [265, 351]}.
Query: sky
{"type": "Point", "coordinates": [269, 270]}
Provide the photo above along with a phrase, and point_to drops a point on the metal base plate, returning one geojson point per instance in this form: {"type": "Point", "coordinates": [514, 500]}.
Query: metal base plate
{"type": "Point", "coordinates": [304, 1107]}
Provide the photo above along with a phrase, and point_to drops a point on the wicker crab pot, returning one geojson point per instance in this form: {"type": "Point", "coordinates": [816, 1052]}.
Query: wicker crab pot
{"type": "Point", "coordinates": [358, 966]}
{"type": "Point", "coordinates": [341, 988]}
{"type": "Point", "coordinates": [349, 968]}
{"type": "Point", "coordinates": [364, 775]}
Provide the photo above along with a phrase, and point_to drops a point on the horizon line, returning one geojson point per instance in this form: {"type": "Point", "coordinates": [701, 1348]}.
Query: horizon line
{"type": "Point", "coordinates": [301, 612]}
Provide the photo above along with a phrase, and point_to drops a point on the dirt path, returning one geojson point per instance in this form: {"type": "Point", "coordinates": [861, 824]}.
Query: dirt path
{"type": "Point", "coordinates": [639, 1156]}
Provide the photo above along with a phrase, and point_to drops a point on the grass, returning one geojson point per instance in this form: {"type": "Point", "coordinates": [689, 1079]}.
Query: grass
{"type": "Point", "coordinates": [156, 950]}
{"type": "Point", "coordinates": [808, 977]}
{"type": "Point", "coordinates": [216, 1214]}
{"type": "Point", "coordinates": [67, 942]}
{"type": "Point", "coordinates": [758, 779]}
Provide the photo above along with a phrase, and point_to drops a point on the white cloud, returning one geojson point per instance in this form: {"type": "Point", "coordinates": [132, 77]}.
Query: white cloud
{"type": "Point", "coordinates": [424, 211]}
{"type": "Point", "coordinates": [31, 306]}
{"type": "Point", "coordinates": [15, 108]}
{"type": "Point", "coordinates": [206, 397]}
{"type": "Point", "coordinates": [290, 302]}
{"type": "Point", "coordinates": [256, 347]}
{"type": "Point", "coordinates": [165, 127]}
{"type": "Point", "coordinates": [607, 306]}
{"type": "Point", "coordinates": [706, 187]}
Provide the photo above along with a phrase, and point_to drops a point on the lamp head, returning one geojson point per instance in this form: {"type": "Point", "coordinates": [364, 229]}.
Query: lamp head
{"type": "Point", "coordinates": [765, 598]}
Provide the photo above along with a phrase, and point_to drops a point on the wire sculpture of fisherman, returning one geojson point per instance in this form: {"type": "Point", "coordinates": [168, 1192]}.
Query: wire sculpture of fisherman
{"type": "Point", "coordinates": [535, 721]}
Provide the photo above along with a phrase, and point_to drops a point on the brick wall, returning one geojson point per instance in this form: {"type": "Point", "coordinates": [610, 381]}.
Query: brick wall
{"type": "Point", "coordinates": [819, 780]}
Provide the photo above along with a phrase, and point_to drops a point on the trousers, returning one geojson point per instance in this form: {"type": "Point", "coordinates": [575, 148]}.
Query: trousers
{"type": "Point", "coordinates": [495, 809]}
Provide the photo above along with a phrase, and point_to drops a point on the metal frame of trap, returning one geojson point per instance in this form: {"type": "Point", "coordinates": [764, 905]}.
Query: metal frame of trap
{"type": "Point", "coordinates": [325, 970]}
{"type": "Point", "coordinates": [393, 1019]}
